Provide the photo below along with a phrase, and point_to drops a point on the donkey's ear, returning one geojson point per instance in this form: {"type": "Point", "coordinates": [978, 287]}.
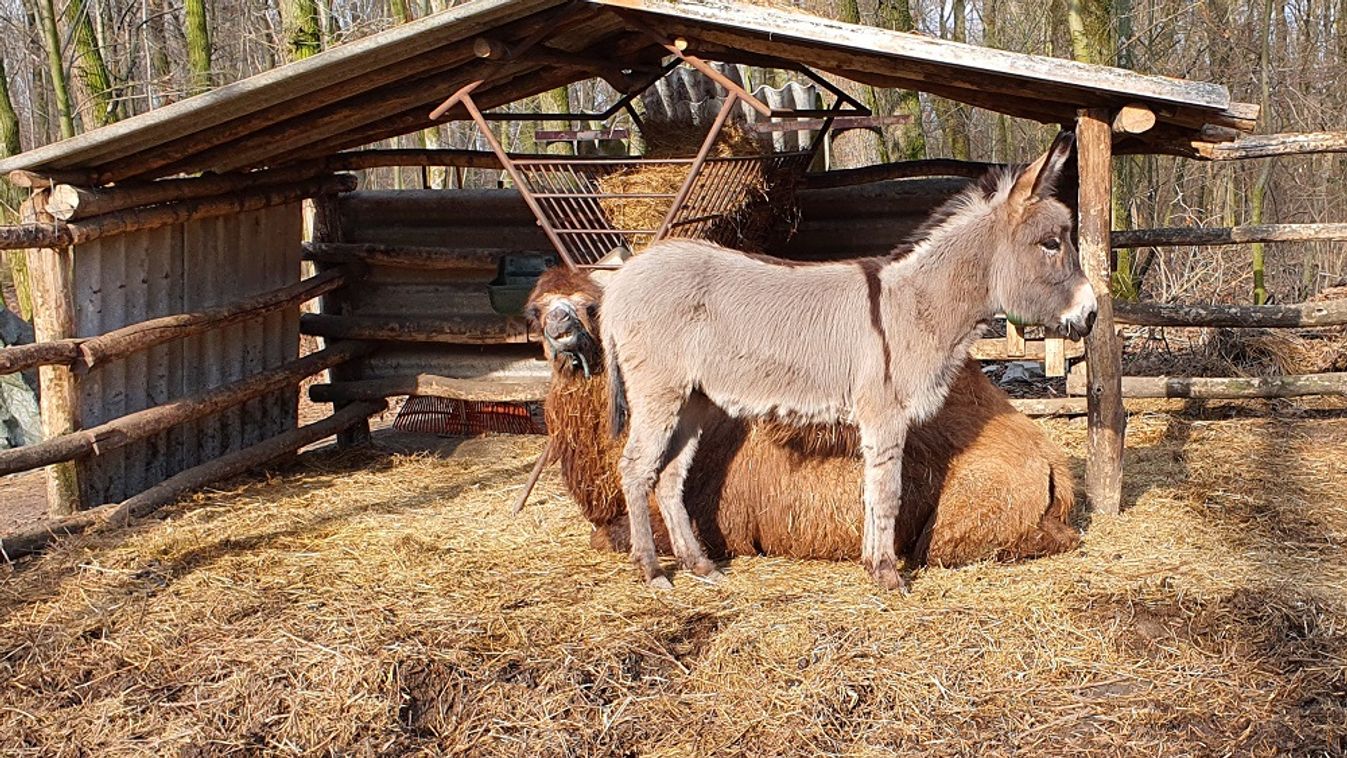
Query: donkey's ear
{"type": "Point", "coordinates": [1039, 179]}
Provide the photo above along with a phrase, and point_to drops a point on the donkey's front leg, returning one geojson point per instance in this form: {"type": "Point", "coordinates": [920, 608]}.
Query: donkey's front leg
{"type": "Point", "coordinates": [639, 467]}
{"type": "Point", "coordinates": [682, 451]}
{"type": "Point", "coordinates": [882, 447]}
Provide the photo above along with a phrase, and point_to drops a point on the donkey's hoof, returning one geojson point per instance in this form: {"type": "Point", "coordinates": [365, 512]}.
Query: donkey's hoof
{"type": "Point", "coordinates": [706, 569]}
{"type": "Point", "coordinates": [710, 577]}
{"type": "Point", "coordinates": [659, 582]}
{"type": "Point", "coordinates": [886, 575]}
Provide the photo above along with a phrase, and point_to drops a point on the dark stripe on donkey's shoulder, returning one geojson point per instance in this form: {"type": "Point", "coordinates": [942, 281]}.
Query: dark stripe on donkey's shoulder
{"type": "Point", "coordinates": [870, 268]}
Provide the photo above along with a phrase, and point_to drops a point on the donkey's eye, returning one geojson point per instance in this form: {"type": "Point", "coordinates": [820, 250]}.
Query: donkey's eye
{"type": "Point", "coordinates": [1051, 244]}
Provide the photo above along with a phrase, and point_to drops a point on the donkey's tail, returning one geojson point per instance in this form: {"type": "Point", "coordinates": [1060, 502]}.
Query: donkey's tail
{"type": "Point", "coordinates": [617, 391]}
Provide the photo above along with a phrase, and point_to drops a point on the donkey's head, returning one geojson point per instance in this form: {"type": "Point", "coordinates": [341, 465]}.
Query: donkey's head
{"type": "Point", "coordinates": [564, 307]}
{"type": "Point", "coordinates": [1036, 277]}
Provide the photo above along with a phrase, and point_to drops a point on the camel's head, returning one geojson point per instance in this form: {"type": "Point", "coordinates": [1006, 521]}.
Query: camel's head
{"type": "Point", "coordinates": [564, 307]}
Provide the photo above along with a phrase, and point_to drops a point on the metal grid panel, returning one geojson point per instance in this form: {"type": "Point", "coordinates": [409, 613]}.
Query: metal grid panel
{"type": "Point", "coordinates": [724, 193]}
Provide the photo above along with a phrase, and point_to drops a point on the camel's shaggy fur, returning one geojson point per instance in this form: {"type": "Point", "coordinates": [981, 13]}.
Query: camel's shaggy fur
{"type": "Point", "coordinates": [983, 481]}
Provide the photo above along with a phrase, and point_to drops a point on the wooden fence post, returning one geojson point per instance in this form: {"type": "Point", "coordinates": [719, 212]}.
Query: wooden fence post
{"type": "Point", "coordinates": [52, 271]}
{"type": "Point", "coordinates": [327, 228]}
{"type": "Point", "coordinates": [1106, 417]}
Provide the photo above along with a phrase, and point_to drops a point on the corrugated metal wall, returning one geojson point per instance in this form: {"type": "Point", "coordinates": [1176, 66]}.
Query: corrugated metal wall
{"type": "Point", "coordinates": [489, 222]}
{"type": "Point", "coordinates": [835, 223]}
{"type": "Point", "coordinates": [201, 264]}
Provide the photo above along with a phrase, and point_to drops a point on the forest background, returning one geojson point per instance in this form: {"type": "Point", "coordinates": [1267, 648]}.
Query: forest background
{"type": "Point", "coordinates": [69, 66]}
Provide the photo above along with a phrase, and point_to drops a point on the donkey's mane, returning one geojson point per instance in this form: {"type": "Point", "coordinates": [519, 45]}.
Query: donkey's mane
{"type": "Point", "coordinates": [993, 187]}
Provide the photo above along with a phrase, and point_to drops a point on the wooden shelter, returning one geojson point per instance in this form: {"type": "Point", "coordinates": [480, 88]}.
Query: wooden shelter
{"type": "Point", "coordinates": [167, 247]}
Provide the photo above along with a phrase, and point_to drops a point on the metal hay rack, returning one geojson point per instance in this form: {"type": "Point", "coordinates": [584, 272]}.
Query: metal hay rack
{"type": "Point", "coordinates": [718, 197]}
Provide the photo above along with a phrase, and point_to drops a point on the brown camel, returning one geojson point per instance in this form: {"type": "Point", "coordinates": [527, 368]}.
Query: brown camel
{"type": "Point", "coordinates": [980, 479]}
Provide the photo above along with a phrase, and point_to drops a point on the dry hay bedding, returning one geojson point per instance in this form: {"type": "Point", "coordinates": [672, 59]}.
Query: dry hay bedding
{"type": "Point", "coordinates": [380, 603]}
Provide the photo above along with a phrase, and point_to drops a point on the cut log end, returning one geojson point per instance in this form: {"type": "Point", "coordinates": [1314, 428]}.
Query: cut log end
{"type": "Point", "coordinates": [1133, 119]}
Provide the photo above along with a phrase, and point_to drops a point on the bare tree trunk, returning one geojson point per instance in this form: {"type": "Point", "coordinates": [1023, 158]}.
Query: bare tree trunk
{"type": "Point", "coordinates": [16, 268]}
{"type": "Point", "coordinates": [197, 32]}
{"type": "Point", "coordinates": [953, 121]}
{"type": "Point", "coordinates": [855, 147]}
{"type": "Point", "coordinates": [911, 139]}
{"type": "Point", "coordinates": [160, 68]}
{"type": "Point", "coordinates": [1091, 31]}
{"type": "Point", "coordinates": [59, 84]}
{"type": "Point", "coordinates": [300, 28]}
{"type": "Point", "coordinates": [557, 101]}
{"type": "Point", "coordinates": [99, 91]}
{"type": "Point", "coordinates": [1257, 200]}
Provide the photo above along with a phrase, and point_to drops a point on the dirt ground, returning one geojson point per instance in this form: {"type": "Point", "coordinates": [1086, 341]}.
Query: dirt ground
{"type": "Point", "coordinates": [23, 500]}
{"type": "Point", "coordinates": [385, 602]}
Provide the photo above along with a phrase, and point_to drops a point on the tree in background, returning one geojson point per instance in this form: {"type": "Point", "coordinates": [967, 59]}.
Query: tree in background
{"type": "Point", "coordinates": [301, 29]}
{"type": "Point", "coordinates": [47, 11]}
{"type": "Point", "coordinates": [198, 47]}
{"type": "Point", "coordinates": [1259, 197]}
{"type": "Point", "coordinates": [100, 101]}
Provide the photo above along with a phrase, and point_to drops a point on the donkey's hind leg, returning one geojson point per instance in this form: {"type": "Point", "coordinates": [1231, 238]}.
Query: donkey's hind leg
{"type": "Point", "coordinates": [651, 426]}
{"type": "Point", "coordinates": [882, 448]}
{"type": "Point", "coordinates": [669, 492]}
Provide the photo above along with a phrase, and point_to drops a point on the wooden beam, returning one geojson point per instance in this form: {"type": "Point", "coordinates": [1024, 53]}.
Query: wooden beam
{"type": "Point", "coordinates": [83, 354]}
{"type": "Point", "coordinates": [407, 256]}
{"type": "Point", "coordinates": [1328, 313]}
{"type": "Point", "coordinates": [23, 357]}
{"type": "Point", "coordinates": [48, 179]}
{"type": "Point", "coordinates": [51, 234]}
{"type": "Point", "coordinates": [120, 343]}
{"type": "Point", "coordinates": [35, 538]}
{"type": "Point", "coordinates": [429, 385]}
{"type": "Point", "coordinates": [898, 170]}
{"type": "Point", "coordinates": [1235, 387]}
{"type": "Point", "coordinates": [1050, 406]}
{"type": "Point", "coordinates": [1054, 356]}
{"type": "Point", "coordinates": [417, 117]}
{"type": "Point", "coordinates": [1107, 418]}
{"type": "Point", "coordinates": [1234, 235]}
{"type": "Point", "coordinates": [121, 431]}
{"type": "Point", "coordinates": [1270, 145]}
{"type": "Point", "coordinates": [995, 349]}
{"type": "Point", "coordinates": [53, 288]}
{"type": "Point", "coordinates": [329, 227]}
{"type": "Point", "coordinates": [1014, 341]}
{"type": "Point", "coordinates": [33, 234]}
{"type": "Point", "coordinates": [69, 202]}
{"type": "Point", "coordinates": [458, 330]}
{"type": "Point", "coordinates": [1133, 119]}
{"type": "Point", "coordinates": [786, 32]}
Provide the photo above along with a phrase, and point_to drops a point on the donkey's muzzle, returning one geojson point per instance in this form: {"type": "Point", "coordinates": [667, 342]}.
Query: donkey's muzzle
{"type": "Point", "coordinates": [1077, 330]}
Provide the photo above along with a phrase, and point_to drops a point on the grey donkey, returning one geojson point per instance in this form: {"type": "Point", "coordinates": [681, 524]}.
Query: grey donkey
{"type": "Point", "coordinates": [873, 342]}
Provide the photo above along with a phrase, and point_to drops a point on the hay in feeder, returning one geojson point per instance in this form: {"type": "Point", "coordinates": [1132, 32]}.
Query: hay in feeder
{"type": "Point", "coordinates": [745, 218]}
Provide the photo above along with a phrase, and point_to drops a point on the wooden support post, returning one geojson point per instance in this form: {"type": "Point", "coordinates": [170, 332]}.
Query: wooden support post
{"type": "Point", "coordinates": [1014, 340]}
{"type": "Point", "coordinates": [1107, 418]}
{"type": "Point", "coordinates": [327, 228]}
{"type": "Point", "coordinates": [1054, 356]}
{"type": "Point", "coordinates": [53, 274]}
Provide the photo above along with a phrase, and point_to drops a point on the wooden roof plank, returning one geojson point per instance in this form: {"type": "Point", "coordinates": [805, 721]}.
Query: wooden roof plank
{"type": "Point", "coordinates": [870, 41]}
{"type": "Point", "coordinates": [277, 85]}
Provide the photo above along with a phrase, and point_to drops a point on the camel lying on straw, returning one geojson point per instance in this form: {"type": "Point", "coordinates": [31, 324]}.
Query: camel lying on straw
{"type": "Point", "coordinates": [980, 479]}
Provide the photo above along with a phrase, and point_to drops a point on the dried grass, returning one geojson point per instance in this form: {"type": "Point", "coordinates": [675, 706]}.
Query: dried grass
{"type": "Point", "coordinates": [665, 140]}
{"type": "Point", "coordinates": [385, 603]}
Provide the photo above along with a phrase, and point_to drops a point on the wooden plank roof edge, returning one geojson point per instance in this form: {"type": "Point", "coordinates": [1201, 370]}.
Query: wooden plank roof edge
{"type": "Point", "coordinates": [269, 87]}
{"type": "Point", "coordinates": [873, 40]}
